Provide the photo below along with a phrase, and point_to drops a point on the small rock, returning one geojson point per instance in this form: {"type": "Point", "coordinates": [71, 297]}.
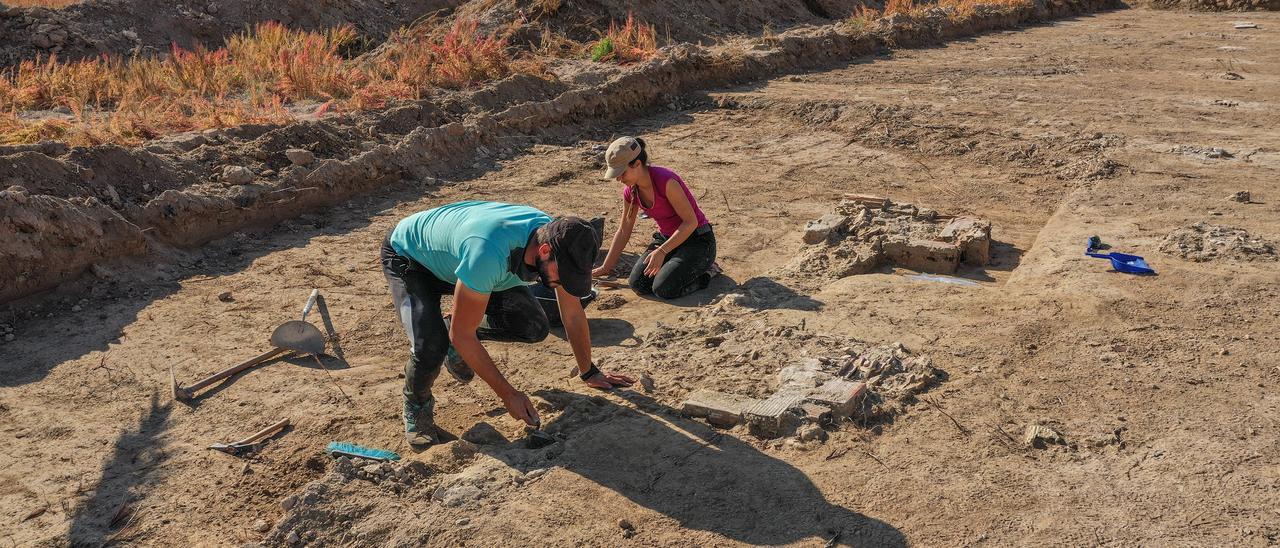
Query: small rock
{"type": "Point", "coordinates": [261, 526]}
{"type": "Point", "coordinates": [76, 308]}
{"type": "Point", "coordinates": [236, 175]}
{"type": "Point", "coordinates": [289, 502]}
{"type": "Point", "coordinates": [811, 432]}
{"type": "Point", "coordinates": [299, 156]}
{"type": "Point", "coordinates": [211, 9]}
{"type": "Point", "coordinates": [293, 538]}
{"type": "Point", "coordinates": [226, 297]}
{"type": "Point", "coordinates": [374, 470]}
{"type": "Point", "coordinates": [1041, 436]}
{"type": "Point", "coordinates": [246, 469]}
{"type": "Point", "coordinates": [58, 36]}
{"type": "Point", "coordinates": [1241, 196]}
{"type": "Point", "coordinates": [41, 41]}
{"type": "Point", "coordinates": [462, 522]}
{"type": "Point", "coordinates": [1232, 76]}
{"type": "Point", "coordinates": [628, 533]}
{"type": "Point", "coordinates": [457, 495]}
{"type": "Point", "coordinates": [1224, 352]}
{"type": "Point", "coordinates": [646, 383]}
{"type": "Point", "coordinates": [625, 525]}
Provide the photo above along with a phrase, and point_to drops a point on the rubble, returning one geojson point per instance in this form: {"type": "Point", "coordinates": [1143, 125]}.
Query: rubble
{"type": "Point", "coordinates": [867, 383]}
{"type": "Point", "coordinates": [1206, 242]}
{"type": "Point", "coordinates": [867, 232]}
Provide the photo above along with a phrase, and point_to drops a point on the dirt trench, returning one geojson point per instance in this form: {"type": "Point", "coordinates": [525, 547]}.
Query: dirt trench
{"type": "Point", "coordinates": [177, 192]}
{"type": "Point", "coordinates": [1162, 389]}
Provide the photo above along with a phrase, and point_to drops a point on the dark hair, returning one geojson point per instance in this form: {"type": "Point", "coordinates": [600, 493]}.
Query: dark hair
{"type": "Point", "coordinates": [644, 155]}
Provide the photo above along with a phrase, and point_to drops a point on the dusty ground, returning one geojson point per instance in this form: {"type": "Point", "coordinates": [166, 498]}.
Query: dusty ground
{"type": "Point", "coordinates": [1164, 387]}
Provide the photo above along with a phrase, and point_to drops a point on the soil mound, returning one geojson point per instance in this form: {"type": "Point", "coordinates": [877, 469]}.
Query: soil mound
{"type": "Point", "coordinates": [867, 232]}
{"type": "Point", "coordinates": [1216, 5]}
{"type": "Point", "coordinates": [1203, 242]}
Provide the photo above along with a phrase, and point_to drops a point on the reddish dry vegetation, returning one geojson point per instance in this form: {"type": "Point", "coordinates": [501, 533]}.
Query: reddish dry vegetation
{"type": "Point", "coordinates": [251, 79]}
{"type": "Point", "coordinates": [957, 9]}
{"type": "Point", "coordinates": [41, 3]}
{"type": "Point", "coordinates": [255, 76]}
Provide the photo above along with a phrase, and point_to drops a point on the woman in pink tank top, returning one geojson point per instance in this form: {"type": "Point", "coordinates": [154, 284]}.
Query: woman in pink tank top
{"type": "Point", "coordinates": [681, 258]}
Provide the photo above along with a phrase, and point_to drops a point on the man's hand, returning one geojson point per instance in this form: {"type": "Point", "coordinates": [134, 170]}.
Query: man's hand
{"type": "Point", "coordinates": [605, 380]}
{"type": "Point", "coordinates": [520, 407]}
{"type": "Point", "coordinates": [653, 262]}
{"type": "Point", "coordinates": [602, 272]}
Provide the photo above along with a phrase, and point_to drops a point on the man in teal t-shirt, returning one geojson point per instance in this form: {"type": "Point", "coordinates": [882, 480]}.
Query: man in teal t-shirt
{"type": "Point", "coordinates": [484, 254]}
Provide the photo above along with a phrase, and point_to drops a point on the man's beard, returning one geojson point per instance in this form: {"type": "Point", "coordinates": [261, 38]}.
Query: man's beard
{"type": "Point", "coordinates": [543, 276]}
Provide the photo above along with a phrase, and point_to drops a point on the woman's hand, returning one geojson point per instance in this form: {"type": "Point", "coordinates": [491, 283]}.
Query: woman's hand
{"type": "Point", "coordinates": [653, 262]}
{"type": "Point", "coordinates": [602, 272]}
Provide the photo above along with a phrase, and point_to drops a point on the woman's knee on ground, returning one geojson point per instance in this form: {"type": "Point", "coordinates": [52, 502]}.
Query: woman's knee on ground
{"type": "Point", "coordinates": [669, 289]}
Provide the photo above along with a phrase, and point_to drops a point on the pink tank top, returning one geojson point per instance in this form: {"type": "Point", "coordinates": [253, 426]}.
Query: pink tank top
{"type": "Point", "coordinates": [662, 211]}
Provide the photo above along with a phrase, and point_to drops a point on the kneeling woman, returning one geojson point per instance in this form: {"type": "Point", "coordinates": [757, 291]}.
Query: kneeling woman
{"type": "Point", "coordinates": [683, 252]}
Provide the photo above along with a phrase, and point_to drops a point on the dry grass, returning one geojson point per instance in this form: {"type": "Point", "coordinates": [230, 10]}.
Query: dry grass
{"type": "Point", "coordinates": [252, 79]}
{"type": "Point", "coordinates": [631, 42]}
{"type": "Point", "coordinates": [55, 4]}
{"type": "Point", "coordinates": [958, 9]}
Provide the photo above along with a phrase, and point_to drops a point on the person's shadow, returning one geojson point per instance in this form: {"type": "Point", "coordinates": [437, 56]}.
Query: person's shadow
{"type": "Point", "coordinates": [692, 473]}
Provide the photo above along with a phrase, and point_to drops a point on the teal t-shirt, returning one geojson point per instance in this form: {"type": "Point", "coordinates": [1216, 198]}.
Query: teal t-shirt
{"type": "Point", "coordinates": [469, 241]}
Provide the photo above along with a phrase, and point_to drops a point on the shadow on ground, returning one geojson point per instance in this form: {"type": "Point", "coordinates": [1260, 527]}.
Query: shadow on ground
{"type": "Point", "coordinates": [700, 477]}
{"type": "Point", "coordinates": [127, 474]}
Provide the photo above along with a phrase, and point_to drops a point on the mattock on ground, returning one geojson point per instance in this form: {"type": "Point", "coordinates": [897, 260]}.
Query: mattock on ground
{"type": "Point", "coordinates": [297, 336]}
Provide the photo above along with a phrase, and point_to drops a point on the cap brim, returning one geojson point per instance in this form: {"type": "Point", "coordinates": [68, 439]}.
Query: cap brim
{"type": "Point", "coordinates": [577, 284]}
{"type": "Point", "coordinates": [613, 172]}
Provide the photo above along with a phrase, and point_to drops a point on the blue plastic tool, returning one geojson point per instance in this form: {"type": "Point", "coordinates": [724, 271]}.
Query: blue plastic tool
{"type": "Point", "coordinates": [1123, 262]}
{"type": "Point", "coordinates": [338, 449]}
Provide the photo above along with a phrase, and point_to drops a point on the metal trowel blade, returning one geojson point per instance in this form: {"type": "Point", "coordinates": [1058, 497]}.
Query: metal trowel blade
{"type": "Point", "coordinates": [299, 336]}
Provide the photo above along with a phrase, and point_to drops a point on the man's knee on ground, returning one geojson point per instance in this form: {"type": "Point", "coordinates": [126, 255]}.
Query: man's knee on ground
{"type": "Point", "coordinates": [535, 329]}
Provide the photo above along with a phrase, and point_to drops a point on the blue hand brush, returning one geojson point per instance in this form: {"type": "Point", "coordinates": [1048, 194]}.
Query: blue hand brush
{"type": "Point", "coordinates": [338, 449]}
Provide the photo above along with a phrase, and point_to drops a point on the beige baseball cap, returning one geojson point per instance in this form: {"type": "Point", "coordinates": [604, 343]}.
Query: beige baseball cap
{"type": "Point", "coordinates": [621, 152]}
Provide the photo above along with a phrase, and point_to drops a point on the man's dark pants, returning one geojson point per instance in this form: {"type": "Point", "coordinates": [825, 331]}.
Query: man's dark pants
{"type": "Point", "coordinates": [513, 315]}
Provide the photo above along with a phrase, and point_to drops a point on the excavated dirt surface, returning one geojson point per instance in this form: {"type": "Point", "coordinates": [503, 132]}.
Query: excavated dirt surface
{"type": "Point", "coordinates": [1163, 388]}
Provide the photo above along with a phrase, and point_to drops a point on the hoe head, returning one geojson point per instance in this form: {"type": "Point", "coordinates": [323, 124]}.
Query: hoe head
{"type": "Point", "coordinates": [235, 449]}
{"type": "Point", "coordinates": [300, 337]}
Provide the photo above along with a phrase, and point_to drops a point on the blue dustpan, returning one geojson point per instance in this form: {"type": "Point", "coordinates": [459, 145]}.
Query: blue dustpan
{"type": "Point", "coordinates": [1123, 262]}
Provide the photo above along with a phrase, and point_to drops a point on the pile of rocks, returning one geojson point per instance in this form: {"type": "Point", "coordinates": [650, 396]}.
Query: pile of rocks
{"type": "Point", "coordinates": [1206, 242]}
{"type": "Point", "coordinates": [395, 477]}
{"type": "Point", "coordinates": [864, 382]}
{"type": "Point", "coordinates": [867, 232]}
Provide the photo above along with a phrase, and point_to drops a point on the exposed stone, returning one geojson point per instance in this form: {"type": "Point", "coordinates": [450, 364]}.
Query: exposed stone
{"type": "Point", "coordinates": [300, 157]}
{"type": "Point", "coordinates": [261, 526]}
{"type": "Point", "coordinates": [1242, 196]}
{"type": "Point", "coordinates": [776, 416]}
{"type": "Point", "coordinates": [236, 175]}
{"type": "Point", "coordinates": [720, 409]}
{"type": "Point", "coordinates": [817, 231]}
{"type": "Point", "coordinates": [923, 255]}
{"type": "Point", "coordinates": [811, 432]}
{"type": "Point", "coordinates": [1041, 436]}
{"type": "Point", "coordinates": [840, 395]}
{"type": "Point", "coordinates": [973, 236]}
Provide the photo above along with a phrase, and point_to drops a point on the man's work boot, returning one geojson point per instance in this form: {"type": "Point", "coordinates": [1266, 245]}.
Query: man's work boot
{"type": "Point", "coordinates": [419, 423]}
{"type": "Point", "coordinates": [454, 364]}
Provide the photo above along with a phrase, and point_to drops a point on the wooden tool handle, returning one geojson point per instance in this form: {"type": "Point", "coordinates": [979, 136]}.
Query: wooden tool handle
{"type": "Point", "coordinates": [265, 432]}
{"type": "Point", "coordinates": [235, 369]}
